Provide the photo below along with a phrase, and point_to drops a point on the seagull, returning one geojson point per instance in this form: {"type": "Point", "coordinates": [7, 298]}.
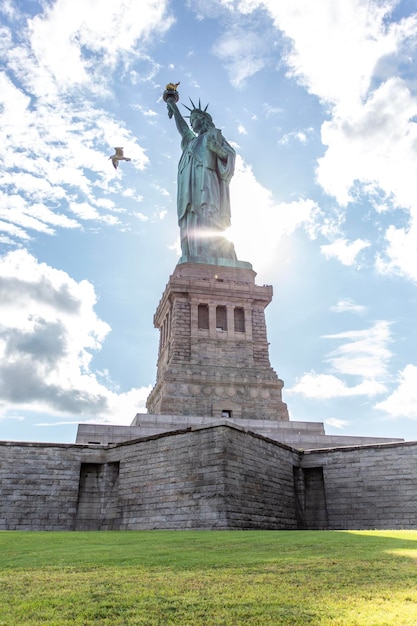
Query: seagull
{"type": "Point", "coordinates": [118, 156]}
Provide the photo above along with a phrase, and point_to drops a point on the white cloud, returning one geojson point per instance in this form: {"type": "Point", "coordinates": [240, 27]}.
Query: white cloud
{"type": "Point", "coordinates": [351, 57]}
{"type": "Point", "coordinates": [335, 49]}
{"type": "Point", "coordinates": [246, 46]}
{"type": "Point", "coordinates": [54, 134]}
{"type": "Point", "coordinates": [400, 256]}
{"type": "Point", "coordinates": [347, 305]}
{"type": "Point", "coordinates": [358, 58]}
{"type": "Point", "coordinates": [141, 217]}
{"type": "Point", "coordinates": [85, 211]}
{"type": "Point", "coordinates": [243, 56]}
{"type": "Point", "coordinates": [17, 418]}
{"type": "Point", "coordinates": [373, 142]}
{"type": "Point", "coordinates": [296, 135]}
{"type": "Point", "coordinates": [146, 112]}
{"type": "Point", "coordinates": [48, 333]}
{"type": "Point", "coordinates": [326, 386]}
{"type": "Point", "coordinates": [132, 193]}
{"type": "Point", "coordinates": [18, 214]}
{"type": "Point", "coordinates": [258, 221]}
{"type": "Point", "coordinates": [343, 250]}
{"type": "Point", "coordinates": [271, 110]}
{"type": "Point", "coordinates": [160, 214]}
{"type": "Point", "coordinates": [402, 402]}
{"type": "Point", "coordinates": [335, 422]}
{"type": "Point", "coordinates": [161, 190]}
{"type": "Point", "coordinates": [14, 231]}
{"type": "Point", "coordinates": [121, 409]}
{"type": "Point", "coordinates": [64, 39]}
{"type": "Point", "coordinates": [364, 355]}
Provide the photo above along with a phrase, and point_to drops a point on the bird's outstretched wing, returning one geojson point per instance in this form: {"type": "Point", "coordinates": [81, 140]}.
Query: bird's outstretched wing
{"type": "Point", "coordinates": [118, 156]}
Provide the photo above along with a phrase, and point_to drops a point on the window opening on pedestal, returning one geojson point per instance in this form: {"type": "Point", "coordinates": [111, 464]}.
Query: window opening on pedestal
{"type": "Point", "coordinates": [203, 316]}
{"type": "Point", "coordinates": [221, 318]}
{"type": "Point", "coordinates": [226, 413]}
{"type": "Point", "coordinates": [239, 316]}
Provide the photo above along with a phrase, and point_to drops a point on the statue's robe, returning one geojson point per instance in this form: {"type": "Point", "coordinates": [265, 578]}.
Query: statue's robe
{"type": "Point", "coordinates": [203, 199]}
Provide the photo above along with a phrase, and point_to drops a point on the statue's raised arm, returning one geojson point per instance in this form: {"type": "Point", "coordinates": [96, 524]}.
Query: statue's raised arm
{"type": "Point", "coordinates": [205, 169]}
{"type": "Point", "coordinates": [180, 122]}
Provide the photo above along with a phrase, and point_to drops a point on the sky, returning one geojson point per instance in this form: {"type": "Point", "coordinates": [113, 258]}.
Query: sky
{"type": "Point", "coordinates": [319, 100]}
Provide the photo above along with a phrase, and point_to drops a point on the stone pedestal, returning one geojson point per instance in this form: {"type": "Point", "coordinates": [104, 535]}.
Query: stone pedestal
{"type": "Point", "coordinates": [213, 353]}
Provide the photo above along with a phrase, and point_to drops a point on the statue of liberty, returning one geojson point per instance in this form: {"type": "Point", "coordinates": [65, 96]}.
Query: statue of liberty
{"type": "Point", "coordinates": [205, 169]}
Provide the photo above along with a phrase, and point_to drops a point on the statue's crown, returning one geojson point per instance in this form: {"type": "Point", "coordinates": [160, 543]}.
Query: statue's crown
{"type": "Point", "coordinates": [198, 110]}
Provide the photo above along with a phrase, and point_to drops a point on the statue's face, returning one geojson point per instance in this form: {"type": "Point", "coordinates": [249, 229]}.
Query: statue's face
{"type": "Point", "coordinates": [197, 122]}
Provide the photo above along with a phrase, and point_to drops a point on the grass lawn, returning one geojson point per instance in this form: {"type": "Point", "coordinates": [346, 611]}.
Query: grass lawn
{"type": "Point", "coordinates": [210, 578]}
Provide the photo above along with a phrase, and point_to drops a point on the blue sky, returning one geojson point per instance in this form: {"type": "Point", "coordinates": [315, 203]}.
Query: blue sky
{"type": "Point", "coordinates": [319, 101]}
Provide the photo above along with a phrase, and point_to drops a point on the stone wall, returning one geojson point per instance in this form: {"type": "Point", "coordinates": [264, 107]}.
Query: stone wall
{"type": "Point", "coordinates": [39, 485]}
{"type": "Point", "coordinates": [206, 477]}
{"type": "Point", "coordinates": [259, 488]}
{"type": "Point", "coordinates": [174, 481]}
{"type": "Point", "coordinates": [367, 487]}
{"type": "Point", "coordinates": [211, 477]}
{"type": "Point", "coordinates": [214, 368]}
{"type": "Point", "coordinates": [300, 435]}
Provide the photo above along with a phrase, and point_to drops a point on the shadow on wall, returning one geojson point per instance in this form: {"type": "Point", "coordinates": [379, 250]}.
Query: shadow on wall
{"type": "Point", "coordinates": [310, 498]}
{"type": "Point", "coordinates": [98, 497]}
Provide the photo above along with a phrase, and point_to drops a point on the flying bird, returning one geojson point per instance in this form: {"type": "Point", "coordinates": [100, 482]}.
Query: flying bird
{"type": "Point", "coordinates": [118, 156]}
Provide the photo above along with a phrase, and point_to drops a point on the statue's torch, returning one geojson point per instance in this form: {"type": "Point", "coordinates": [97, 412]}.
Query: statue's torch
{"type": "Point", "coordinates": [171, 95]}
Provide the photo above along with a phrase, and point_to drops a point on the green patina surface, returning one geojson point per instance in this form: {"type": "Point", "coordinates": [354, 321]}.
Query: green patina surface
{"type": "Point", "coordinates": [205, 170]}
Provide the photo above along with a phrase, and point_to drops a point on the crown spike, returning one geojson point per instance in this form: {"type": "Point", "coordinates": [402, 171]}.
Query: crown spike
{"type": "Point", "coordinates": [205, 108]}
{"type": "Point", "coordinates": [184, 105]}
{"type": "Point", "coordinates": [194, 107]}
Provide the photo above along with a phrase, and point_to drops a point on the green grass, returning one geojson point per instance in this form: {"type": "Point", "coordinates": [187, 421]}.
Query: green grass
{"type": "Point", "coordinates": [210, 578]}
